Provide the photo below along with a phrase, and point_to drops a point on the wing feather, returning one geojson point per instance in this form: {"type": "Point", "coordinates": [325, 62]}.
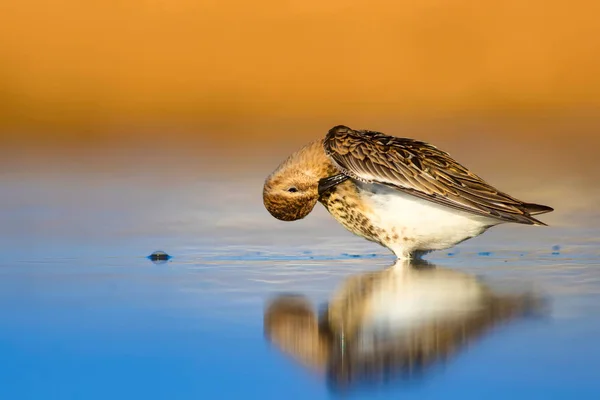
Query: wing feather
{"type": "Point", "coordinates": [422, 170]}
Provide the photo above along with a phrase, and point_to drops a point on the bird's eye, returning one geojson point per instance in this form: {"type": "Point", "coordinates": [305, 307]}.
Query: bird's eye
{"type": "Point", "coordinates": [292, 189]}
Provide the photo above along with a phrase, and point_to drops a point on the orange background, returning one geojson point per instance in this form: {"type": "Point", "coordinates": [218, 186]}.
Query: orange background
{"type": "Point", "coordinates": [198, 88]}
{"type": "Point", "coordinates": [117, 71]}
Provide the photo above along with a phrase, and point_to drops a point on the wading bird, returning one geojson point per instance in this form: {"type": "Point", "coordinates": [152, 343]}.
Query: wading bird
{"type": "Point", "coordinates": [404, 194]}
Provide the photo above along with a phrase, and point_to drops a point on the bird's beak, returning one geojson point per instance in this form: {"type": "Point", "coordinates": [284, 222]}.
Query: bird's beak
{"type": "Point", "coordinates": [327, 183]}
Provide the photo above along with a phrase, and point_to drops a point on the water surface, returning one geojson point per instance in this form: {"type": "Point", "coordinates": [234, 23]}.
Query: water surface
{"type": "Point", "coordinates": [84, 313]}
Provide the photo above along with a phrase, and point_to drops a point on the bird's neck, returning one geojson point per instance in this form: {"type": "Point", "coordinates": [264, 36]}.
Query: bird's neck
{"type": "Point", "coordinates": [316, 162]}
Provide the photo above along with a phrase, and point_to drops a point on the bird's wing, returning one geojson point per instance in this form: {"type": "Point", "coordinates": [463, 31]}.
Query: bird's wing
{"type": "Point", "coordinates": [422, 170]}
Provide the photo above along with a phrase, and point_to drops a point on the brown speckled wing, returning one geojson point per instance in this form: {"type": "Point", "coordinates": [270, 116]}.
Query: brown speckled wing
{"type": "Point", "coordinates": [424, 171]}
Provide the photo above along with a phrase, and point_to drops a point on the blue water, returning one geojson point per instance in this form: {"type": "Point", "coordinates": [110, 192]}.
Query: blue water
{"type": "Point", "coordinates": [85, 315]}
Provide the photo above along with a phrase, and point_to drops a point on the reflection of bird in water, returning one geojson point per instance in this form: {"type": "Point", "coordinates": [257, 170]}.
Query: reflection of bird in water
{"type": "Point", "coordinates": [395, 322]}
{"type": "Point", "coordinates": [404, 194]}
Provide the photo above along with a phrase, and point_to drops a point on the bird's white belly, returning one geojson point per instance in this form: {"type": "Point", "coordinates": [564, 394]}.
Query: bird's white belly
{"type": "Point", "coordinates": [416, 224]}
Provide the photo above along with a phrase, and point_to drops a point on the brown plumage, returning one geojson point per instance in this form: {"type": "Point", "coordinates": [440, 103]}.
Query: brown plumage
{"type": "Point", "coordinates": [291, 191]}
{"type": "Point", "coordinates": [404, 194]}
{"type": "Point", "coordinates": [423, 170]}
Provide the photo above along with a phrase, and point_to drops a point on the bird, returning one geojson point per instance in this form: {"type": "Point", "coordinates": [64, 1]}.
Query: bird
{"type": "Point", "coordinates": [404, 194]}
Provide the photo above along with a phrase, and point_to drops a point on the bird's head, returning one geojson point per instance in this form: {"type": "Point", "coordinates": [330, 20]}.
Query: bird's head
{"type": "Point", "coordinates": [291, 192]}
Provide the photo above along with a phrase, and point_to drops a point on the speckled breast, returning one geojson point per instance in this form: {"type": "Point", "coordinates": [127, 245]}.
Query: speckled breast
{"type": "Point", "coordinates": [344, 203]}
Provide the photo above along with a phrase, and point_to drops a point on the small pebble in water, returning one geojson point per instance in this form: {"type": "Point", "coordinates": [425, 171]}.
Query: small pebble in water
{"type": "Point", "coordinates": [159, 256]}
{"type": "Point", "coordinates": [555, 250]}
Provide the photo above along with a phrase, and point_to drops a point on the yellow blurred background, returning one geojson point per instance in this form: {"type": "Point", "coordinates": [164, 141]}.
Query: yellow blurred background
{"type": "Point", "coordinates": [237, 72]}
